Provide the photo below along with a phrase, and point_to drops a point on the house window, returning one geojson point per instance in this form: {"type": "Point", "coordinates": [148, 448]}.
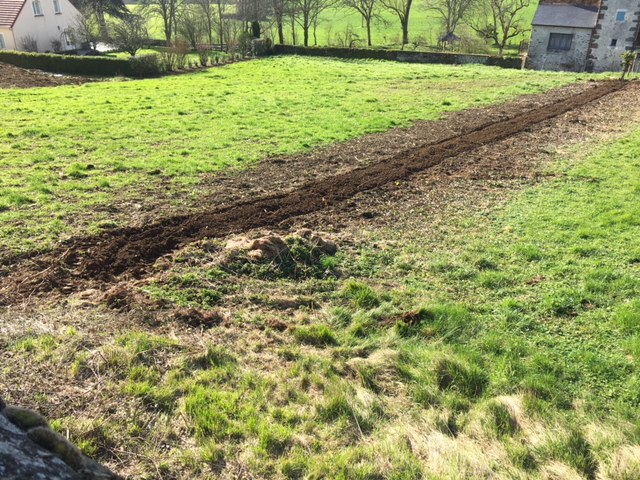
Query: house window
{"type": "Point", "coordinates": [37, 8]}
{"type": "Point", "coordinates": [3, 45]}
{"type": "Point", "coordinates": [614, 42]}
{"type": "Point", "coordinates": [56, 7]}
{"type": "Point", "coordinates": [621, 15]}
{"type": "Point", "coordinates": [560, 41]}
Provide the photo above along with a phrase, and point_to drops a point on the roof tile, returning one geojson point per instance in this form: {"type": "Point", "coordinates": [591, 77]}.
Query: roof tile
{"type": "Point", "coordinates": [9, 11]}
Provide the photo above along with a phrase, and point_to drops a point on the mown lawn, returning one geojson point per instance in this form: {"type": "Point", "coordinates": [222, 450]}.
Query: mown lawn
{"type": "Point", "coordinates": [68, 152]}
{"type": "Point", "coordinates": [509, 347]}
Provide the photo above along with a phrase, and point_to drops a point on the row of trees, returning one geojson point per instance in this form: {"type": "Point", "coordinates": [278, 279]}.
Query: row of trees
{"type": "Point", "coordinates": [217, 21]}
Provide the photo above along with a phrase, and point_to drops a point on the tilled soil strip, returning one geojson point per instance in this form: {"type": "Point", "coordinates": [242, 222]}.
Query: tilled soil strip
{"type": "Point", "coordinates": [130, 250]}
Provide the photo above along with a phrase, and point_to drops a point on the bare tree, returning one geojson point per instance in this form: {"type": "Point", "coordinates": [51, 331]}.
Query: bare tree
{"type": "Point", "coordinates": [308, 13]}
{"type": "Point", "coordinates": [451, 12]}
{"type": "Point", "coordinates": [129, 34]}
{"type": "Point", "coordinates": [222, 23]}
{"type": "Point", "coordinates": [366, 8]}
{"type": "Point", "coordinates": [292, 11]}
{"type": "Point", "coordinates": [191, 25]}
{"type": "Point", "coordinates": [208, 16]}
{"type": "Point", "coordinates": [500, 20]}
{"type": "Point", "coordinates": [278, 13]}
{"type": "Point", "coordinates": [167, 10]}
{"type": "Point", "coordinates": [401, 8]}
{"type": "Point", "coordinates": [85, 29]}
{"type": "Point", "coordinates": [253, 12]}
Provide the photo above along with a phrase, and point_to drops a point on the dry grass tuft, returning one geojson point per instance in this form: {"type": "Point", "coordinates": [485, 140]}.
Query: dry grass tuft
{"type": "Point", "coordinates": [623, 464]}
{"type": "Point", "coordinates": [559, 471]}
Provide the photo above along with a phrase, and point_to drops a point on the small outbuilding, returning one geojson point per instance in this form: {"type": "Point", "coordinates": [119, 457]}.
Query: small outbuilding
{"type": "Point", "coordinates": [583, 35]}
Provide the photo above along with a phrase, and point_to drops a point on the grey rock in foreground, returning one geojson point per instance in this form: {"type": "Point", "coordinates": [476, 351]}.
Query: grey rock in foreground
{"type": "Point", "coordinates": [30, 450]}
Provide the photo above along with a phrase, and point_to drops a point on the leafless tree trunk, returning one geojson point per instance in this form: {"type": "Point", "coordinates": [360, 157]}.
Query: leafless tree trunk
{"type": "Point", "coordinates": [291, 10]}
{"type": "Point", "coordinates": [278, 9]}
{"type": "Point", "coordinates": [102, 23]}
{"type": "Point", "coordinates": [206, 9]}
{"type": "Point", "coordinates": [253, 12]}
{"type": "Point", "coordinates": [221, 8]}
{"type": "Point", "coordinates": [366, 8]}
{"type": "Point", "coordinates": [308, 11]}
{"type": "Point", "coordinates": [402, 9]}
{"type": "Point", "coordinates": [191, 25]}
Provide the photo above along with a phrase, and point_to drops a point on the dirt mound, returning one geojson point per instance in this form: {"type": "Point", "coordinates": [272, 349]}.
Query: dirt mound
{"type": "Point", "coordinates": [128, 252]}
{"type": "Point", "coordinates": [14, 77]}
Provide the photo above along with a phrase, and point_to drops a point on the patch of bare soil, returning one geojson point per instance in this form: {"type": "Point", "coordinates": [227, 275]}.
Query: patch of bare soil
{"type": "Point", "coordinates": [125, 253]}
{"type": "Point", "coordinates": [481, 179]}
{"type": "Point", "coordinates": [14, 77]}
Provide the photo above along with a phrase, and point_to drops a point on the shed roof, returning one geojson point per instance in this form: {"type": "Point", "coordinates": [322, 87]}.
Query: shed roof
{"type": "Point", "coordinates": [9, 11]}
{"type": "Point", "coordinates": [565, 16]}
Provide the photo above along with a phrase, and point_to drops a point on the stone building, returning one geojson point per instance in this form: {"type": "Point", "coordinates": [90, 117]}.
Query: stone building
{"type": "Point", "coordinates": [583, 35]}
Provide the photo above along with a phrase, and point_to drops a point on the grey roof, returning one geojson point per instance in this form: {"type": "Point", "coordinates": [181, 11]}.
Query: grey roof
{"type": "Point", "coordinates": [565, 16]}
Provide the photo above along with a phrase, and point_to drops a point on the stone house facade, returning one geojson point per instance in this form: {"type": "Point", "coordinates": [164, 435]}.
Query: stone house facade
{"type": "Point", "coordinates": [583, 35]}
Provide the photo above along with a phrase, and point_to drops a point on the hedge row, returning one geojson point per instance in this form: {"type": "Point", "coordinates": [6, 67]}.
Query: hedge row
{"type": "Point", "coordinates": [399, 55]}
{"type": "Point", "coordinates": [72, 64]}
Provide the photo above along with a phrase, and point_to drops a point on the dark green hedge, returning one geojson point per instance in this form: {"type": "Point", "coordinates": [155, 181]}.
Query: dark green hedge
{"type": "Point", "coordinates": [399, 55]}
{"type": "Point", "coordinates": [72, 64]}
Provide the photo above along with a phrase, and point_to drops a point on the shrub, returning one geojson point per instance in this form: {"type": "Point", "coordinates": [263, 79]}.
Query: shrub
{"type": "Point", "coordinates": [203, 54]}
{"type": "Point", "coordinates": [145, 66]}
{"type": "Point", "coordinates": [181, 49]}
{"type": "Point", "coordinates": [29, 43]}
{"type": "Point", "coordinates": [102, 66]}
{"type": "Point", "coordinates": [168, 59]}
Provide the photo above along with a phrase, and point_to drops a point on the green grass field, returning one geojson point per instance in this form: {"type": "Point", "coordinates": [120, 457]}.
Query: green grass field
{"type": "Point", "coordinates": [69, 152]}
{"type": "Point", "coordinates": [497, 376]}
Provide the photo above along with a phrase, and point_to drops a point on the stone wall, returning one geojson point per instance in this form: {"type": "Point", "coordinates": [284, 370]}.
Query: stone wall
{"type": "Point", "coordinates": [400, 55]}
{"type": "Point", "coordinates": [29, 449]}
{"type": "Point", "coordinates": [574, 60]}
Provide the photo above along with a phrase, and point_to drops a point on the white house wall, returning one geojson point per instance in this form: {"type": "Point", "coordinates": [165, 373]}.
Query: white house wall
{"type": "Point", "coordinates": [44, 28]}
{"type": "Point", "coordinates": [8, 38]}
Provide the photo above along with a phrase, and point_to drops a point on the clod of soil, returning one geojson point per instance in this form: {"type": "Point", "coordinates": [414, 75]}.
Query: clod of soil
{"type": "Point", "coordinates": [265, 249]}
{"type": "Point", "coordinates": [198, 318]}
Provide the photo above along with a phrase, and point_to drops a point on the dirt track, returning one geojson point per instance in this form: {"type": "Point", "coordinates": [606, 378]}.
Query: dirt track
{"type": "Point", "coordinates": [129, 251]}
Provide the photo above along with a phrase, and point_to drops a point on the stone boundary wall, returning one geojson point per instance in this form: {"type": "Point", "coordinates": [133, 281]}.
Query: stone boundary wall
{"type": "Point", "coordinates": [29, 449]}
{"type": "Point", "coordinates": [400, 56]}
